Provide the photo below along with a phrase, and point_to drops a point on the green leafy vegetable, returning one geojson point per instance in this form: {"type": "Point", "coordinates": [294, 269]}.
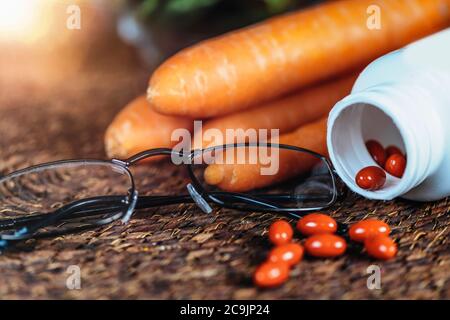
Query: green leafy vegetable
{"type": "Point", "coordinates": [185, 6]}
{"type": "Point", "coordinates": [181, 7]}
{"type": "Point", "coordinates": [276, 6]}
{"type": "Point", "coordinates": [147, 7]}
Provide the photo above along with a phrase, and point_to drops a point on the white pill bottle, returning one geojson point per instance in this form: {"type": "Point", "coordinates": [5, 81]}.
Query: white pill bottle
{"type": "Point", "coordinates": [401, 99]}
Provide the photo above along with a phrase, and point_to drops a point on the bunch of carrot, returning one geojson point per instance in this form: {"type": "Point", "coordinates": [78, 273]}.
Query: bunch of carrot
{"type": "Point", "coordinates": [283, 73]}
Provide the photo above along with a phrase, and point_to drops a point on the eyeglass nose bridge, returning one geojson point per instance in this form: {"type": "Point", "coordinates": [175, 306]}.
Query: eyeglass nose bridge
{"type": "Point", "coordinates": [198, 199]}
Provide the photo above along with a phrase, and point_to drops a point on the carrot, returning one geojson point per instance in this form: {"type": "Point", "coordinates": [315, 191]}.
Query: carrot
{"type": "Point", "coordinates": [137, 127]}
{"type": "Point", "coordinates": [245, 177]}
{"type": "Point", "coordinates": [258, 63]}
{"type": "Point", "coordinates": [285, 114]}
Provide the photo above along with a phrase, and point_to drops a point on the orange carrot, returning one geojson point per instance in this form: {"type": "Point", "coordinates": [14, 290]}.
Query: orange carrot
{"type": "Point", "coordinates": [245, 177]}
{"type": "Point", "coordinates": [258, 63]}
{"type": "Point", "coordinates": [285, 114]}
{"type": "Point", "coordinates": [137, 127]}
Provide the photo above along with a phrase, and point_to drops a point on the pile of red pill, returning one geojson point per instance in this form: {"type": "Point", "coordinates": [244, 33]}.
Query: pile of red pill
{"type": "Point", "coordinates": [286, 254]}
{"type": "Point", "coordinates": [321, 241]}
{"type": "Point", "coordinates": [390, 159]}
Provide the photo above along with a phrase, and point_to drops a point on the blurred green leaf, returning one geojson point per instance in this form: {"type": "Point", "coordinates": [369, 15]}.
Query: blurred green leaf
{"type": "Point", "coordinates": [147, 7]}
{"type": "Point", "coordinates": [276, 6]}
{"type": "Point", "coordinates": [185, 6]}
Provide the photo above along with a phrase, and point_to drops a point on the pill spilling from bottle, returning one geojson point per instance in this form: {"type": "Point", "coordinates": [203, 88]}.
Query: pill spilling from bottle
{"type": "Point", "coordinates": [280, 232]}
{"type": "Point", "coordinates": [365, 229]}
{"type": "Point", "coordinates": [377, 152]}
{"type": "Point", "coordinates": [390, 160]}
{"type": "Point", "coordinates": [371, 178]}
{"type": "Point", "coordinates": [325, 245]}
{"type": "Point", "coordinates": [316, 223]}
{"type": "Point", "coordinates": [291, 253]}
{"type": "Point", "coordinates": [321, 241]}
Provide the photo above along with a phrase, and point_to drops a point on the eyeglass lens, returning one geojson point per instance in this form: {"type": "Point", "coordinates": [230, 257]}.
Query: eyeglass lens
{"type": "Point", "coordinates": [291, 178]}
{"type": "Point", "coordinates": [39, 192]}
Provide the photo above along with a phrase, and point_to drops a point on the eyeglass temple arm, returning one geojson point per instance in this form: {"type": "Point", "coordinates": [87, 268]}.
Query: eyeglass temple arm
{"type": "Point", "coordinates": [88, 207]}
{"type": "Point", "coordinates": [150, 153]}
{"type": "Point", "coordinates": [93, 206]}
{"type": "Point", "coordinates": [106, 204]}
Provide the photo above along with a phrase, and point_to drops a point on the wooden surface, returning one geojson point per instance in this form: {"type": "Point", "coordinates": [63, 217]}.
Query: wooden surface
{"type": "Point", "coordinates": [49, 113]}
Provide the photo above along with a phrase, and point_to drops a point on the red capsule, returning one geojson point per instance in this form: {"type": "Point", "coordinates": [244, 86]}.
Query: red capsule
{"type": "Point", "coordinates": [280, 232]}
{"type": "Point", "coordinates": [325, 245]}
{"type": "Point", "coordinates": [381, 247]}
{"type": "Point", "coordinates": [365, 229]}
{"type": "Point", "coordinates": [371, 178]}
{"type": "Point", "coordinates": [393, 150]}
{"type": "Point", "coordinates": [316, 223]}
{"type": "Point", "coordinates": [291, 253]}
{"type": "Point", "coordinates": [395, 165]}
{"type": "Point", "coordinates": [271, 274]}
{"type": "Point", "coordinates": [377, 152]}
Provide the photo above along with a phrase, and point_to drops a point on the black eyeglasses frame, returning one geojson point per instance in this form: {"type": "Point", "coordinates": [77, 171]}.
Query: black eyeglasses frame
{"type": "Point", "coordinates": [126, 205]}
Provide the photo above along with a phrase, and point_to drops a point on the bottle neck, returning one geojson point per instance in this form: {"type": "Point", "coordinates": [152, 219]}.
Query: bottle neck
{"type": "Point", "coordinates": [394, 114]}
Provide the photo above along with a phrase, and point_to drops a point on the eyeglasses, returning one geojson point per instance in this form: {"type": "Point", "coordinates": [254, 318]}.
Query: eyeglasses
{"type": "Point", "coordinates": [73, 195]}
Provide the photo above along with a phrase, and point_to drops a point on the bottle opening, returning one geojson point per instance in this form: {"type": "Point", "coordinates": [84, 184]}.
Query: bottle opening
{"type": "Point", "coordinates": [350, 128]}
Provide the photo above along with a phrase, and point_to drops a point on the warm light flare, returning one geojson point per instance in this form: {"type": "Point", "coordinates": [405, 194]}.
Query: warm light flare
{"type": "Point", "coordinates": [18, 19]}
